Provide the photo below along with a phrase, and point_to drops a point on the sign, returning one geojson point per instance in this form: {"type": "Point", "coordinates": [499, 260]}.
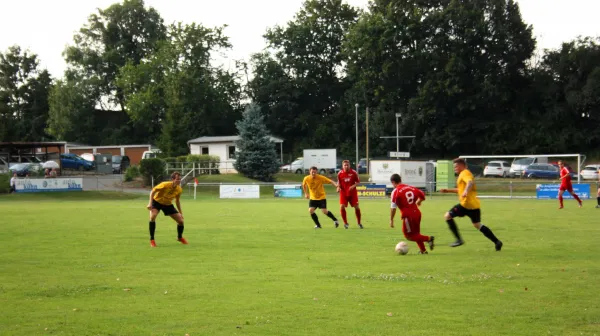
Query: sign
{"type": "Point", "coordinates": [239, 191]}
{"type": "Point", "coordinates": [29, 185]}
{"type": "Point", "coordinates": [371, 190]}
{"type": "Point", "coordinates": [411, 172]}
{"type": "Point", "coordinates": [444, 175]}
{"type": "Point", "coordinates": [550, 191]}
{"type": "Point", "coordinates": [288, 191]}
{"type": "Point", "coordinates": [399, 154]}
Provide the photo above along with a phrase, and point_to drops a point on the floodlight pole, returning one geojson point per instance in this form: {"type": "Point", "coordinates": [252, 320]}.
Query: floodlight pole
{"type": "Point", "coordinates": [398, 115]}
{"type": "Point", "coordinates": [356, 126]}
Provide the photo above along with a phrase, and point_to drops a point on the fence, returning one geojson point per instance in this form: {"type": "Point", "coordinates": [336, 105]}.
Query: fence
{"type": "Point", "coordinates": [200, 168]}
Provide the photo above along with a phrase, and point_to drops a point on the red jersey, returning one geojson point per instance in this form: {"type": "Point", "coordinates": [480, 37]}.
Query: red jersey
{"type": "Point", "coordinates": [405, 197]}
{"type": "Point", "coordinates": [567, 180]}
{"type": "Point", "coordinates": [347, 179]}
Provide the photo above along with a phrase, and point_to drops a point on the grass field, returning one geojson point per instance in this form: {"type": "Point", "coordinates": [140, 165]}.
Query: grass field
{"type": "Point", "coordinates": [80, 264]}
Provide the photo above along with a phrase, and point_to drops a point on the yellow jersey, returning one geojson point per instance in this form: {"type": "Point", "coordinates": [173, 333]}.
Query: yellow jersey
{"type": "Point", "coordinates": [471, 201]}
{"type": "Point", "coordinates": [165, 193]}
{"type": "Point", "coordinates": [315, 186]}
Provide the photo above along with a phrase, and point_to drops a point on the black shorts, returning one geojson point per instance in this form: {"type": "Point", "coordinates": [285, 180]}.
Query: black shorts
{"type": "Point", "coordinates": [460, 211]}
{"type": "Point", "coordinates": [168, 210]}
{"type": "Point", "coordinates": [318, 204]}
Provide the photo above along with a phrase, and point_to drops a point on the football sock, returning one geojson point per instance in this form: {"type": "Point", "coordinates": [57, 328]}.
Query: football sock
{"type": "Point", "coordinates": [560, 199]}
{"type": "Point", "coordinates": [417, 237]}
{"type": "Point", "coordinates": [330, 215]}
{"type": "Point", "coordinates": [152, 230]}
{"type": "Point", "coordinates": [358, 215]}
{"type": "Point", "coordinates": [577, 198]}
{"type": "Point", "coordinates": [453, 228]}
{"type": "Point", "coordinates": [315, 218]}
{"type": "Point", "coordinates": [488, 233]}
{"type": "Point", "coordinates": [344, 217]}
{"type": "Point", "coordinates": [180, 231]}
{"type": "Point", "coordinates": [421, 246]}
{"type": "Point", "coordinates": [598, 199]}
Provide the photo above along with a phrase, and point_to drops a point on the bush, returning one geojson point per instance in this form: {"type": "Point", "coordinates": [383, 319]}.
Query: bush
{"type": "Point", "coordinates": [152, 168]}
{"type": "Point", "coordinates": [131, 173]}
{"type": "Point", "coordinates": [206, 164]}
{"type": "Point", "coordinates": [4, 183]}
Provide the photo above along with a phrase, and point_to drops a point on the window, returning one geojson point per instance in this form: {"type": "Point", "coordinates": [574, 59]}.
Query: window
{"type": "Point", "coordinates": [231, 152]}
{"type": "Point", "coordinates": [494, 164]}
{"type": "Point", "coordinates": [204, 150]}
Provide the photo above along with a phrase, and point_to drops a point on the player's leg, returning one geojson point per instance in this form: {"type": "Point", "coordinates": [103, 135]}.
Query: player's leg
{"type": "Point", "coordinates": [598, 198]}
{"type": "Point", "coordinates": [561, 191]}
{"type": "Point", "coordinates": [179, 220]}
{"type": "Point", "coordinates": [412, 229]}
{"type": "Point", "coordinates": [475, 216]}
{"type": "Point", "coordinates": [456, 211]}
{"type": "Point", "coordinates": [354, 204]}
{"type": "Point", "coordinates": [152, 225]}
{"type": "Point", "coordinates": [311, 210]}
{"type": "Point", "coordinates": [343, 206]}
{"type": "Point", "coordinates": [570, 190]}
{"type": "Point", "coordinates": [329, 214]}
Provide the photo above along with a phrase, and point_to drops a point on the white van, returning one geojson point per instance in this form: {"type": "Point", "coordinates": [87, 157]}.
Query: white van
{"type": "Point", "coordinates": [518, 165]}
{"type": "Point", "coordinates": [151, 154]}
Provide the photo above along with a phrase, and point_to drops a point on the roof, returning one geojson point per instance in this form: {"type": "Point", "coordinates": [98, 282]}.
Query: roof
{"type": "Point", "coordinates": [33, 144]}
{"type": "Point", "coordinates": [229, 138]}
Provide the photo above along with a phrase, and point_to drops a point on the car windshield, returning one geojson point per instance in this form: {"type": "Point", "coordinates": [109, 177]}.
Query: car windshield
{"type": "Point", "coordinates": [525, 161]}
{"type": "Point", "coordinates": [494, 164]}
{"type": "Point", "coordinates": [297, 162]}
{"type": "Point", "coordinates": [20, 166]}
{"type": "Point", "coordinates": [116, 159]}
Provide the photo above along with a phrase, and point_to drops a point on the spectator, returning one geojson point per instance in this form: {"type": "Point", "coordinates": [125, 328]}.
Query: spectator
{"type": "Point", "coordinates": [53, 173]}
{"type": "Point", "coordinates": [46, 173]}
{"type": "Point", "coordinates": [13, 184]}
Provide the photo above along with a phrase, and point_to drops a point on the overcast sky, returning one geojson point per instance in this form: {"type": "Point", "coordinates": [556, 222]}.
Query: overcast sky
{"type": "Point", "coordinates": [45, 27]}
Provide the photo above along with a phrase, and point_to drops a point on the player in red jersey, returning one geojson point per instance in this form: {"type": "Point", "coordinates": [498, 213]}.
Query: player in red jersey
{"type": "Point", "coordinates": [347, 182]}
{"type": "Point", "coordinates": [408, 199]}
{"type": "Point", "coordinates": [565, 184]}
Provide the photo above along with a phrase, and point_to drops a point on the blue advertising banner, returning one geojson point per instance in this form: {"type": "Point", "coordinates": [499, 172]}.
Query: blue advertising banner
{"type": "Point", "coordinates": [28, 185]}
{"type": "Point", "coordinates": [288, 191]}
{"type": "Point", "coordinates": [550, 191]}
{"type": "Point", "coordinates": [371, 190]}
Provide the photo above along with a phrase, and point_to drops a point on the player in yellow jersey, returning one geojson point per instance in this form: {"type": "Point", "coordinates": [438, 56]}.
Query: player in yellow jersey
{"type": "Point", "coordinates": [468, 206]}
{"type": "Point", "coordinates": [161, 198]}
{"type": "Point", "coordinates": [314, 191]}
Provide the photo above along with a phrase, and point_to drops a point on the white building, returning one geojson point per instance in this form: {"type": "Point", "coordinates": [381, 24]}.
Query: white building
{"type": "Point", "coordinates": [224, 147]}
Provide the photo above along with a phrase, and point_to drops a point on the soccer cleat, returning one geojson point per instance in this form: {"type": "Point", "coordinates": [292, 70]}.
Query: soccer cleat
{"type": "Point", "coordinates": [152, 243]}
{"type": "Point", "coordinates": [457, 243]}
{"type": "Point", "coordinates": [360, 226]}
{"type": "Point", "coordinates": [580, 204]}
{"type": "Point", "coordinates": [336, 224]}
{"type": "Point", "coordinates": [560, 207]}
{"type": "Point", "coordinates": [423, 252]}
{"type": "Point", "coordinates": [499, 245]}
{"type": "Point", "coordinates": [597, 206]}
{"type": "Point", "coordinates": [346, 225]}
{"type": "Point", "coordinates": [317, 226]}
{"type": "Point", "coordinates": [182, 240]}
{"type": "Point", "coordinates": [430, 242]}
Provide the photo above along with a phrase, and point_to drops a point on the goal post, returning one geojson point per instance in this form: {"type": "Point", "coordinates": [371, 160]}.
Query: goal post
{"type": "Point", "coordinates": [580, 159]}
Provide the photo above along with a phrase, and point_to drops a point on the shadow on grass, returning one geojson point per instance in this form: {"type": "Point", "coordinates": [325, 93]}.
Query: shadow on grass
{"type": "Point", "coordinates": [71, 196]}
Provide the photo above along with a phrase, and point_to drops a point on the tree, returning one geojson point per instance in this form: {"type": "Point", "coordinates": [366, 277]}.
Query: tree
{"type": "Point", "coordinates": [298, 81]}
{"type": "Point", "coordinates": [256, 157]}
{"type": "Point", "coordinates": [23, 96]}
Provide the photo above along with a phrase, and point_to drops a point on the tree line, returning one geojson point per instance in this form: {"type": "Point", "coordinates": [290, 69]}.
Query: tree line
{"type": "Point", "coordinates": [464, 76]}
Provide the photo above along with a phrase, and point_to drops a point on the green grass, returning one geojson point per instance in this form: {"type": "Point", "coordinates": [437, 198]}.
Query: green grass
{"type": "Point", "coordinates": [80, 264]}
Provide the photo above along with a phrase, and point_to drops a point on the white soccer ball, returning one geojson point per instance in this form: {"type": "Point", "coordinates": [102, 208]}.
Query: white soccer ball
{"type": "Point", "coordinates": [401, 248]}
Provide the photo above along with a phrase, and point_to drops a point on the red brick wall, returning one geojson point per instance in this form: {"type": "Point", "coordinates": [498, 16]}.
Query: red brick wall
{"type": "Point", "coordinates": [135, 154]}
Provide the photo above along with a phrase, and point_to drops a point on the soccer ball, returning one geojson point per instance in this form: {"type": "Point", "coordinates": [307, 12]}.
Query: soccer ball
{"type": "Point", "coordinates": [401, 248]}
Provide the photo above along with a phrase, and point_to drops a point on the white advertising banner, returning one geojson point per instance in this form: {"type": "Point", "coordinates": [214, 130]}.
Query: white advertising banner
{"type": "Point", "coordinates": [50, 184]}
{"type": "Point", "coordinates": [239, 191]}
{"type": "Point", "coordinates": [411, 172]}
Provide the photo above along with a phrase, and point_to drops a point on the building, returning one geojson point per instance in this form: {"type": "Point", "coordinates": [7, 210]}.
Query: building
{"type": "Point", "coordinates": [134, 152]}
{"type": "Point", "coordinates": [223, 147]}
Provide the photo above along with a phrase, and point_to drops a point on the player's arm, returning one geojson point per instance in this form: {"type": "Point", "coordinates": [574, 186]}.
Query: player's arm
{"type": "Point", "coordinates": [152, 192]}
{"type": "Point", "coordinates": [449, 191]}
{"type": "Point", "coordinates": [327, 180]}
{"type": "Point", "coordinates": [393, 207]}
{"type": "Point", "coordinates": [339, 188]}
{"type": "Point", "coordinates": [470, 184]}
{"type": "Point", "coordinates": [420, 196]}
{"type": "Point", "coordinates": [178, 205]}
{"type": "Point", "coordinates": [356, 182]}
{"type": "Point", "coordinates": [305, 188]}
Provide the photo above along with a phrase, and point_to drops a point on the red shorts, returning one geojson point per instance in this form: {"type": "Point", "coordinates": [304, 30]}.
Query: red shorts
{"type": "Point", "coordinates": [352, 198]}
{"type": "Point", "coordinates": [411, 224]}
{"type": "Point", "coordinates": [566, 187]}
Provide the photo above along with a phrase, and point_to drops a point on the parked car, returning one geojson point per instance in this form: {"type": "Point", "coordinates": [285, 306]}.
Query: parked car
{"type": "Point", "coordinates": [496, 168]}
{"type": "Point", "coordinates": [544, 170]}
{"type": "Point", "coordinates": [296, 167]}
{"type": "Point", "coordinates": [151, 154]}
{"type": "Point", "coordinates": [73, 161]}
{"type": "Point", "coordinates": [22, 169]}
{"type": "Point", "coordinates": [120, 163]}
{"type": "Point", "coordinates": [361, 168]}
{"type": "Point", "coordinates": [590, 172]}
